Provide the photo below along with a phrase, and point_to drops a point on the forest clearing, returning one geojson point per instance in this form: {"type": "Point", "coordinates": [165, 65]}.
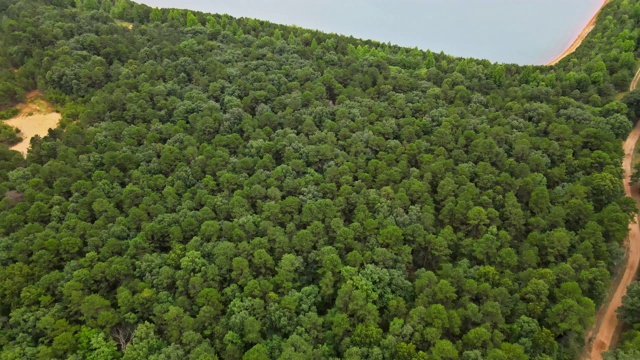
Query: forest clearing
{"type": "Point", "coordinates": [36, 117]}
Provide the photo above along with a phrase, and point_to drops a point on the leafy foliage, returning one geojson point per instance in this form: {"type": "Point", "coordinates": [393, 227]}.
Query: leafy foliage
{"type": "Point", "coordinates": [235, 189]}
{"type": "Point", "coordinates": [9, 113]}
{"type": "Point", "coordinates": [9, 135]}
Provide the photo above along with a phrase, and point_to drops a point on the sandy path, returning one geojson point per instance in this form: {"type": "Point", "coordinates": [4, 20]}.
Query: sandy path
{"type": "Point", "coordinates": [635, 80]}
{"type": "Point", "coordinates": [576, 43]}
{"type": "Point", "coordinates": [608, 324]}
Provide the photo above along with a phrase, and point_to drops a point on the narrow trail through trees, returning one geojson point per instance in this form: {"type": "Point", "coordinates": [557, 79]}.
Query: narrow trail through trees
{"type": "Point", "coordinates": [635, 80]}
{"type": "Point", "coordinates": [607, 324]}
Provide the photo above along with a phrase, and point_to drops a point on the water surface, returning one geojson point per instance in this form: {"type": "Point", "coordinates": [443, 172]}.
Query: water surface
{"type": "Point", "coordinates": [518, 31]}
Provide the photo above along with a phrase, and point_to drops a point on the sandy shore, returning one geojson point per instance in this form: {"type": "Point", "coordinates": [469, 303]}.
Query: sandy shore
{"type": "Point", "coordinates": [583, 34]}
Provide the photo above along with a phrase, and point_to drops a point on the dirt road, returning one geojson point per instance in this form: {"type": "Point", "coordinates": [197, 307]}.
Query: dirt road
{"type": "Point", "coordinates": [587, 29]}
{"type": "Point", "coordinates": [608, 325]}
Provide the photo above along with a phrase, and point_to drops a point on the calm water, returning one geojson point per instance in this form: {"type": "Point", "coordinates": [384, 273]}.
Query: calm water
{"type": "Point", "coordinates": [518, 31]}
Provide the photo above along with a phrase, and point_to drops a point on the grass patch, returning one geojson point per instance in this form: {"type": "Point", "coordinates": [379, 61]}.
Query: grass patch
{"type": "Point", "coordinates": [126, 24]}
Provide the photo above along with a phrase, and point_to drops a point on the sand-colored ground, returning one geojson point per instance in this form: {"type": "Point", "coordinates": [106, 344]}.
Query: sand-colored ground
{"type": "Point", "coordinates": [634, 82]}
{"type": "Point", "coordinates": [36, 117]}
{"type": "Point", "coordinates": [583, 35]}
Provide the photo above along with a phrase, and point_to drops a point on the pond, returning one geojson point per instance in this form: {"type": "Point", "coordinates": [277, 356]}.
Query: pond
{"type": "Point", "coordinates": [515, 31]}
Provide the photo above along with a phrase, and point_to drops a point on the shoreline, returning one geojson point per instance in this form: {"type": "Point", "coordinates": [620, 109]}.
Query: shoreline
{"type": "Point", "coordinates": [581, 36]}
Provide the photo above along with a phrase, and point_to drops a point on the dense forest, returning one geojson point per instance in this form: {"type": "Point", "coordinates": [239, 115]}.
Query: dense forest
{"type": "Point", "coordinates": [226, 188]}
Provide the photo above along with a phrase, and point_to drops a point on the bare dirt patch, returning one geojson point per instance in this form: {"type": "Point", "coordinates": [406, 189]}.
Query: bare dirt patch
{"type": "Point", "coordinates": [14, 196]}
{"type": "Point", "coordinates": [36, 117]}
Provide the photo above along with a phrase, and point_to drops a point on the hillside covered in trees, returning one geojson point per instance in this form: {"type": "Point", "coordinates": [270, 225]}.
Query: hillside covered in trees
{"type": "Point", "coordinates": [234, 189]}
